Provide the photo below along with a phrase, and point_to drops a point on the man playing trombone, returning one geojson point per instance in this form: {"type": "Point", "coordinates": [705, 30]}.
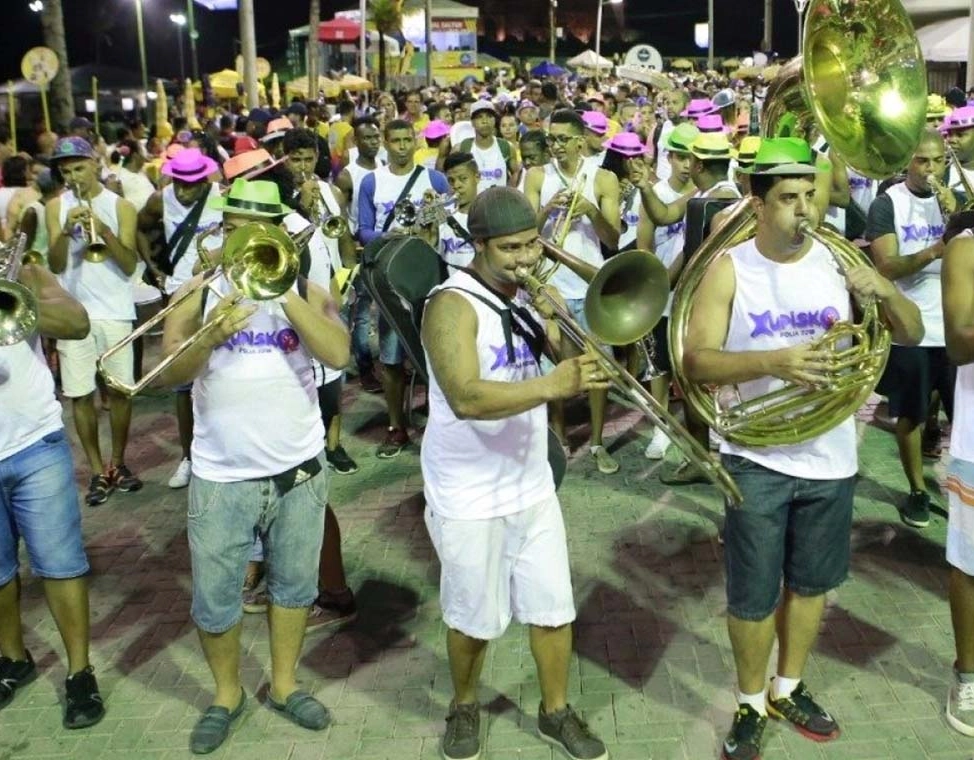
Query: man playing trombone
{"type": "Point", "coordinates": [39, 502]}
{"type": "Point", "coordinates": [258, 464]}
{"type": "Point", "coordinates": [492, 512]}
{"type": "Point", "coordinates": [756, 315]}
{"type": "Point", "coordinates": [93, 249]}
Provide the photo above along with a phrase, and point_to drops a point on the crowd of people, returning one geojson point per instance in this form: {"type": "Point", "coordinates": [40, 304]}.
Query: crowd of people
{"type": "Point", "coordinates": [596, 168]}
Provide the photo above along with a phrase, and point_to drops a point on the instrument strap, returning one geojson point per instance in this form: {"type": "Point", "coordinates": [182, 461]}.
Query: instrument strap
{"type": "Point", "coordinates": [402, 196]}
{"type": "Point", "coordinates": [459, 230]}
{"type": "Point", "coordinates": [184, 232]}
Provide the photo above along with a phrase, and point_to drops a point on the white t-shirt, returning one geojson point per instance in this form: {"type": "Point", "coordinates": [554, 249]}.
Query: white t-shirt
{"type": "Point", "coordinates": [173, 212]}
{"type": "Point", "coordinates": [491, 164]}
{"type": "Point", "coordinates": [777, 306]}
{"type": "Point", "coordinates": [29, 410]}
{"type": "Point", "coordinates": [478, 469]}
{"type": "Point", "coordinates": [455, 250]}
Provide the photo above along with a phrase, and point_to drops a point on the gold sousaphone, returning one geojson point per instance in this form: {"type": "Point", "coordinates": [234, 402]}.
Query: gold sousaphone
{"type": "Point", "coordinates": [862, 84]}
{"type": "Point", "coordinates": [18, 307]}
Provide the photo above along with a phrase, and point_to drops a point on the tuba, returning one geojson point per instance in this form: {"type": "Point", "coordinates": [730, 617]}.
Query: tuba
{"type": "Point", "coordinates": [862, 84]}
{"type": "Point", "coordinates": [18, 306]}
{"type": "Point", "coordinates": [625, 298]}
{"type": "Point", "coordinates": [259, 259]}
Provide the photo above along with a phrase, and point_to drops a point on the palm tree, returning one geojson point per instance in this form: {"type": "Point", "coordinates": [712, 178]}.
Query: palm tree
{"type": "Point", "coordinates": [62, 101]}
{"type": "Point", "coordinates": [387, 16]}
{"type": "Point", "coordinates": [313, 48]}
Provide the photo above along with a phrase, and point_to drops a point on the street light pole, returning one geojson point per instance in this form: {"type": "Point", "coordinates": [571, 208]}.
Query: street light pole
{"type": "Point", "coordinates": [193, 36]}
{"type": "Point", "coordinates": [180, 21]}
{"type": "Point", "coordinates": [141, 31]}
{"type": "Point", "coordinates": [598, 35]}
{"type": "Point", "coordinates": [710, 35]}
{"type": "Point", "coordinates": [552, 29]}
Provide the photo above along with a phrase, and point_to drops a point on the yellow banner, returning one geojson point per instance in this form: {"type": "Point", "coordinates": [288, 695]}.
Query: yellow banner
{"type": "Point", "coordinates": [452, 59]}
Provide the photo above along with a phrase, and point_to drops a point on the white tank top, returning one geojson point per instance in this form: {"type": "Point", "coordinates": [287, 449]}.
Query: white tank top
{"type": "Point", "coordinates": [581, 240]}
{"type": "Point", "coordinates": [724, 184]}
{"type": "Point", "coordinates": [320, 272]}
{"type": "Point", "coordinates": [781, 305]}
{"type": "Point", "coordinates": [29, 410]}
{"type": "Point", "coordinates": [357, 174]}
{"type": "Point", "coordinates": [919, 224]}
{"type": "Point", "coordinates": [478, 469]}
{"type": "Point", "coordinates": [388, 188]}
{"type": "Point", "coordinates": [255, 402]}
{"type": "Point", "coordinates": [630, 220]}
{"type": "Point", "coordinates": [962, 431]}
{"type": "Point", "coordinates": [173, 212]}
{"type": "Point", "coordinates": [454, 249]}
{"type": "Point", "coordinates": [862, 189]}
{"type": "Point", "coordinates": [663, 168]}
{"type": "Point", "coordinates": [492, 166]}
{"type": "Point", "coordinates": [103, 289]}
{"type": "Point", "coordinates": [668, 239]}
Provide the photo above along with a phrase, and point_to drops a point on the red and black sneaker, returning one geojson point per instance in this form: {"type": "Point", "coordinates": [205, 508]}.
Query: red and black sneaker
{"type": "Point", "coordinates": [123, 480]}
{"type": "Point", "coordinates": [805, 714]}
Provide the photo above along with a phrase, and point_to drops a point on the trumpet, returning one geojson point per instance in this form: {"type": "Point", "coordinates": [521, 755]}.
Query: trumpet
{"type": "Point", "coordinates": [939, 190]}
{"type": "Point", "coordinates": [429, 212]}
{"type": "Point", "coordinates": [331, 225]}
{"type": "Point", "coordinates": [18, 306]}
{"type": "Point", "coordinates": [563, 222]}
{"type": "Point", "coordinates": [96, 251]}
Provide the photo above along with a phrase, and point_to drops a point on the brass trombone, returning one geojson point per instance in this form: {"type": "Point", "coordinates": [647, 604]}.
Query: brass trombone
{"type": "Point", "coordinates": [331, 225]}
{"type": "Point", "coordinates": [96, 251]}
{"type": "Point", "coordinates": [624, 300]}
{"type": "Point", "coordinates": [259, 259]}
{"type": "Point", "coordinates": [18, 306]}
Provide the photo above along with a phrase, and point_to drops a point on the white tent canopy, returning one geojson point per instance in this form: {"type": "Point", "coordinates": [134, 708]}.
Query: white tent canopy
{"type": "Point", "coordinates": [945, 41]}
{"type": "Point", "coordinates": [914, 7]}
{"type": "Point", "coordinates": [587, 60]}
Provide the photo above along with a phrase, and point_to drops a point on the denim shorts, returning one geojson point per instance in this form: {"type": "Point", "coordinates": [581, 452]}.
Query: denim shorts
{"type": "Point", "coordinates": [390, 347]}
{"type": "Point", "coordinates": [223, 521]}
{"type": "Point", "coordinates": [786, 528]}
{"type": "Point", "coordinates": [39, 502]}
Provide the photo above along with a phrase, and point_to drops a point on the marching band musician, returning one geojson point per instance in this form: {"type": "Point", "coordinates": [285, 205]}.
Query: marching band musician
{"type": "Point", "coordinates": [181, 210]}
{"type": "Point", "coordinates": [958, 130]}
{"type": "Point", "coordinates": [569, 180]}
{"type": "Point", "coordinates": [258, 465]}
{"type": "Point", "coordinates": [380, 193]}
{"type": "Point", "coordinates": [795, 519]}
{"type": "Point", "coordinates": [905, 226]}
{"type": "Point", "coordinates": [492, 512]}
{"type": "Point", "coordinates": [39, 502]}
{"type": "Point", "coordinates": [455, 244]}
{"type": "Point", "coordinates": [105, 290]}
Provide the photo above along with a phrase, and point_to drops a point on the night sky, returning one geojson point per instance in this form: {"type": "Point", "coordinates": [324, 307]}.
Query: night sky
{"type": "Point", "coordinates": [105, 30]}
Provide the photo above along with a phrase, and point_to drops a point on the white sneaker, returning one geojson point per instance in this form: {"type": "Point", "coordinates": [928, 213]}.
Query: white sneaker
{"type": "Point", "coordinates": [658, 445]}
{"type": "Point", "coordinates": [180, 478]}
{"type": "Point", "coordinates": [960, 707]}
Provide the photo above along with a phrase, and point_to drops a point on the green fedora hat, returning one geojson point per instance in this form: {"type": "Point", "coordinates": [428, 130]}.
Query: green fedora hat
{"type": "Point", "coordinates": [786, 155]}
{"type": "Point", "coordinates": [257, 198]}
{"type": "Point", "coordinates": [682, 137]}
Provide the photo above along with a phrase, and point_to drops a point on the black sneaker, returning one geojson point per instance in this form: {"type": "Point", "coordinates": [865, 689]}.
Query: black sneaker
{"type": "Point", "coordinates": [99, 489]}
{"type": "Point", "coordinates": [462, 738]}
{"type": "Point", "coordinates": [340, 461]}
{"type": "Point", "coordinates": [930, 443]}
{"type": "Point", "coordinates": [743, 741]}
{"type": "Point", "coordinates": [123, 479]}
{"type": "Point", "coordinates": [13, 675]}
{"type": "Point", "coordinates": [565, 730]}
{"type": "Point", "coordinates": [83, 705]}
{"type": "Point", "coordinates": [332, 610]}
{"type": "Point", "coordinates": [916, 511]}
{"type": "Point", "coordinates": [369, 382]}
{"type": "Point", "coordinates": [395, 441]}
{"type": "Point", "coordinates": [805, 714]}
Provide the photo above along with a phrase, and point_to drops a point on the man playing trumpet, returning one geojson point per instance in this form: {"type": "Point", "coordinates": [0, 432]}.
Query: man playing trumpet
{"type": "Point", "coordinates": [84, 214]}
{"type": "Point", "coordinates": [794, 522]}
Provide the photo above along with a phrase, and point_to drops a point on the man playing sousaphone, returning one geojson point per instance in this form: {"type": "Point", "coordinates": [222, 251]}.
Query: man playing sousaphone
{"type": "Point", "coordinates": [86, 214]}
{"type": "Point", "coordinates": [795, 519]}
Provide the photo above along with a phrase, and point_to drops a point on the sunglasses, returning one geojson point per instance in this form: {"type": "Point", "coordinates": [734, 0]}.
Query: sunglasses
{"type": "Point", "coordinates": [561, 139]}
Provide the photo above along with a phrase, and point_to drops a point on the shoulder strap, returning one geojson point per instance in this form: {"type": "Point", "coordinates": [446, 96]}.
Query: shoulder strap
{"type": "Point", "coordinates": [183, 234]}
{"type": "Point", "coordinates": [404, 194]}
{"type": "Point", "coordinates": [458, 229]}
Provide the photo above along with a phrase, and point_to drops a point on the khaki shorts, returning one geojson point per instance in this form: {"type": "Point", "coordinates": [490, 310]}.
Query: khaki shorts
{"type": "Point", "coordinates": [77, 357]}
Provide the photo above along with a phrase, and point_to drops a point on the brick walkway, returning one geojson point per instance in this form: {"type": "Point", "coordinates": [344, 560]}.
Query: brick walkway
{"type": "Point", "coordinates": [653, 671]}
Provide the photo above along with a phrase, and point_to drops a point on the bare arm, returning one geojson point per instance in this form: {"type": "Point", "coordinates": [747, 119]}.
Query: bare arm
{"type": "Point", "coordinates": [318, 325]}
{"type": "Point", "coordinates": [901, 315]}
{"type": "Point", "coordinates": [885, 253]}
{"type": "Point", "coordinates": [28, 226]}
{"type": "Point", "coordinates": [450, 338]}
{"type": "Point", "coordinates": [957, 281]}
{"type": "Point", "coordinates": [121, 247]}
{"type": "Point", "coordinates": [59, 315]}
{"type": "Point", "coordinates": [606, 218]}
{"type": "Point", "coordinates": [839, 194]}
{"type": "Point", "coordinates": [58, 237]}
{"type": "Point", "coordinates": [663, 213]}
{"type": "Point", "coordinates": [532, 191]}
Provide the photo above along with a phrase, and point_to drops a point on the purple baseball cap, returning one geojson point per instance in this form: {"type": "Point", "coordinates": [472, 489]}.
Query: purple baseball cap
{"type": "Point", "coordinates": [72, 147]}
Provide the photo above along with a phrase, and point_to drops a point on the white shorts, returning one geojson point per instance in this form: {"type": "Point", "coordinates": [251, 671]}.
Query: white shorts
{"type": "Point", "coordinates": [77, 358]}
{"type": "Point", "coordinates": [960, 520]}
{"type": "Point", "coordinates": [501, 567]}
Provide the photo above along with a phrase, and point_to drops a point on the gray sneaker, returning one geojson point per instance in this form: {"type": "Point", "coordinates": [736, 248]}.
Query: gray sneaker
{"type": "Point", "coordinates": [565, 730]}
{"type": "Point", "coordinates": [462, 738]}
{"type": "Point", "coordinates": [960, 706]}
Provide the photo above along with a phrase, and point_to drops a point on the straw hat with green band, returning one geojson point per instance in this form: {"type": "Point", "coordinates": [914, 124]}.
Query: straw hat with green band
{"type": "Point", "coordinates": [711, 146]}
{"type": "Point", "coordinates": [257, 198]}
{"type": "Point", "coordinates": [682, 137]}
{"type": "Point", "coordinates": [747, 151]}
{"type": "Point", "coordinates": [786, 155]}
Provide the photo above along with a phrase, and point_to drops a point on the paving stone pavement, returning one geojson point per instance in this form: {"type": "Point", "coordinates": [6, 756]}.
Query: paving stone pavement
{"type": "Point", "coordinates": [653, 671]}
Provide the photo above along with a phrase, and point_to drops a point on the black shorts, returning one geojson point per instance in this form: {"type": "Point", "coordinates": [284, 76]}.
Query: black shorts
{"type": "Point", "coordinates": [912, 374]}
{"type": "Point", "coordinates": [329, 400]}
{"type": "Point", "coordinates": [661, 349]}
